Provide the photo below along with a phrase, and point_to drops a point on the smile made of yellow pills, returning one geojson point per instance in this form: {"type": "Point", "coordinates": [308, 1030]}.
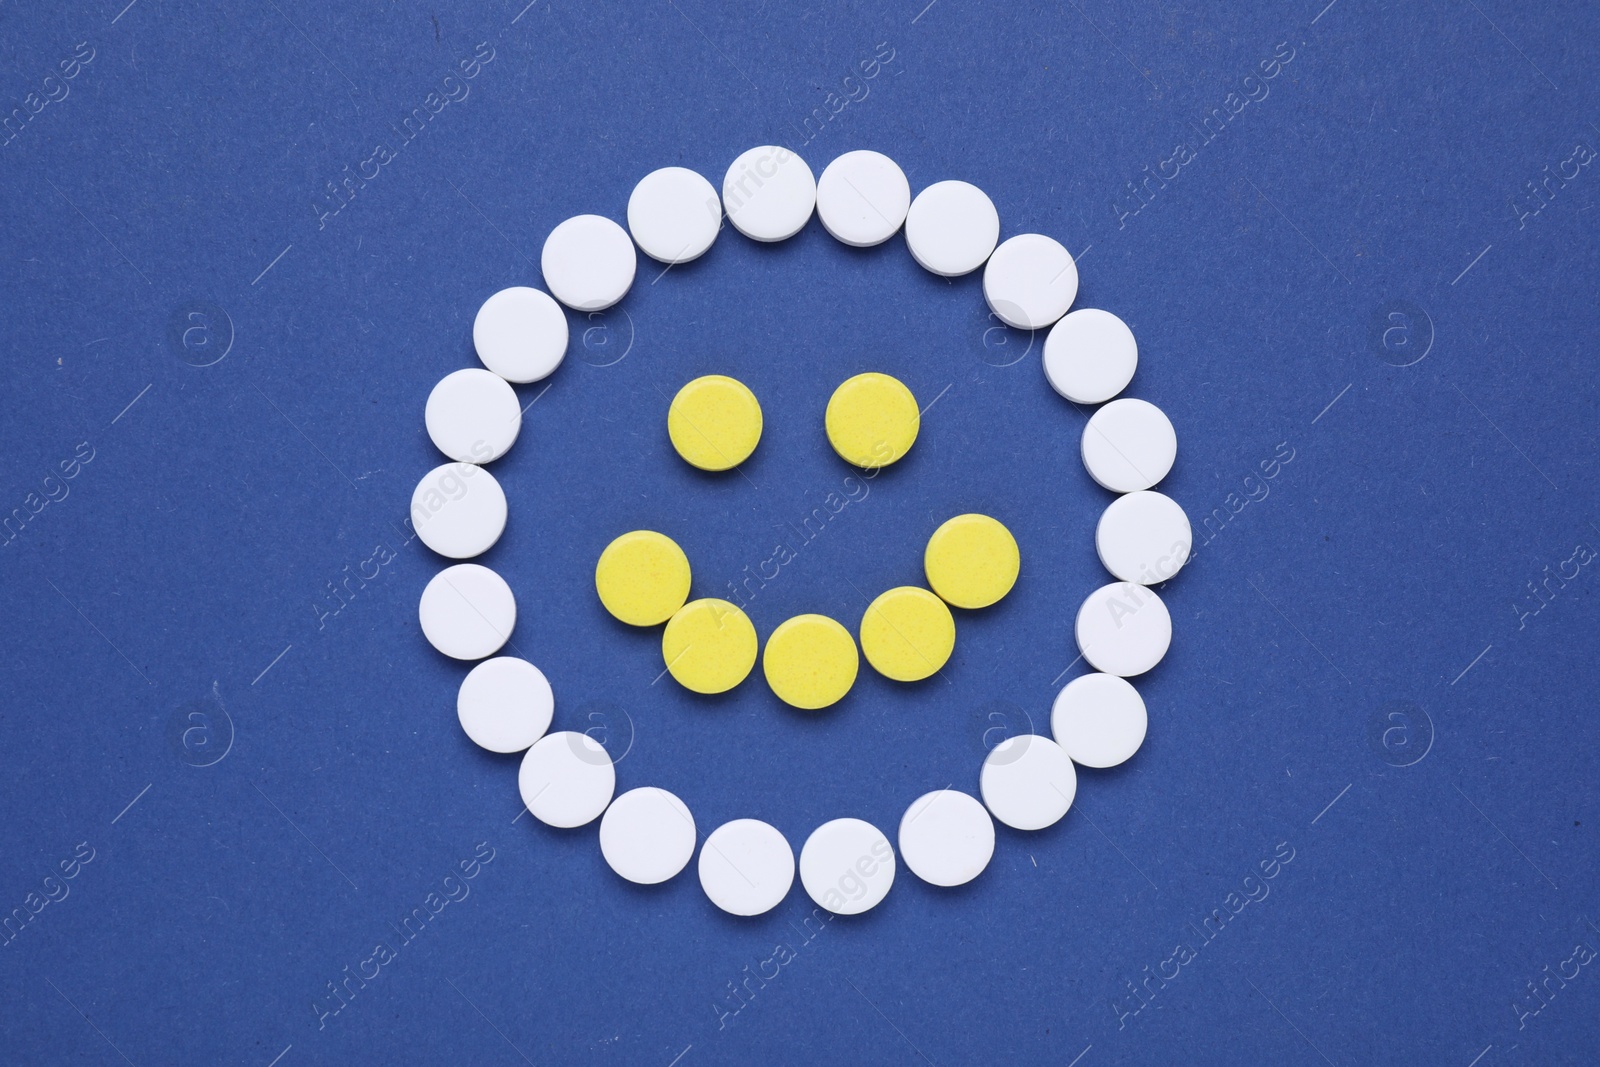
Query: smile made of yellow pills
{"type": "Point", "coordinates": [907, 634]}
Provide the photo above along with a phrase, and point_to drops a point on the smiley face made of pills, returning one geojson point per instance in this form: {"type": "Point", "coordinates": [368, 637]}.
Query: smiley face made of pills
{"type": "Point", "coordinates": [709, 645]}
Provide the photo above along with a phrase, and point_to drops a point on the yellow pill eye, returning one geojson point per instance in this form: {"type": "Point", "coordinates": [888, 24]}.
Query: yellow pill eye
{"type": "Point", "coordinates": [810, 662]}
{"type": "Point", "coordinates": [642, 578]}
{"type": "Point", "coordinates": [709, 646]}
{"type": "Point", "coordinates": [714, 422]}
{"type": "Point", "coordinates": [907, 634]}
{"type": "Point", "coordinates": [972, 561]}
{"type": "Point", "coordinates": [872, 420]}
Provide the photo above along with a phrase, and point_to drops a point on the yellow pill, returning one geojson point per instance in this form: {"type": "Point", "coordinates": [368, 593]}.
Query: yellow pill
{"type": "Point", "coordinates": [907, 634]}
{"type": "Point", "coordinates": [872, 420]}
{"type": "Point", "coordinates": [972, 561]}
{"type": "Point", "coordinates": [709, 646]}
{"type": "Point", "coordinates": [642, 578]}
{"type": "Point", "coordinates": [810, 661]}
{"type": "Point", "coordinates": [714, 422]}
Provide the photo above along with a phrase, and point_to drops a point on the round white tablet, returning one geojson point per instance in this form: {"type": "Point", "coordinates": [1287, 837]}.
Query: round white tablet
{"type": "Point", "coordinates": [520, 334]}
{"type": "Point", "coordinates": [1129, 445]}
{"type": "Point", "coordinates": [674, 214]}
{"type": "Point", "coordinates": [946, 837]}
{"type": "Point", "coordinates": [505, 704]}
{"type": "Point", "coordinates": [566, 779]}
{"type": "Point", "coordinates": [847, 866]}
{"type": "Point", "coordinates": [1123, 629]}
{"type": "Point", "coordinates": [1099, 720]}
{"type": "Point", "coordinates": [459, 510]}
{"type": "Point", "coordinates": [647, 835]}
{"type": "Point", "coordinates": [862, 198]}
{"type": "Point", "coordinates": [467, 611]}
{"type": "Point", "coordinates": [1030, 281]}
{"type": "Point", "coordinates": [769, 193]}
{"type": "Point", "coordinates": [746, 867]}
{"type": "Point", "coordinates": [1090, 356]}
{"type": "Point", "coordinates": [588, 262]}
{"type": "Point", "coordinates": [473, 416]}
{"type": "Point", "coordinates": [1143, 537]}
{"type": "Point", "coordinates": [1027, 782]}
{"type": "Point", "coordinates": [952, 228]}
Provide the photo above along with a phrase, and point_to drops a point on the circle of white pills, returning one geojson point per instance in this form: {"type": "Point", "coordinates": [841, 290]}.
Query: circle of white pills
{"type": "Point", "coordinates": [746, 867]}
{"type": "Point", "coordinates": [520, 334]}
{"type": "Point", "coordinates": [847, 866]}
{"type": "Point", "coordinates": [467, 611]}
{"type": "Point", "coordinates": [1028, 782]}
{"type": "Point", "coordinates": [1090, 356]}
{"type": "Point", "coordinates": [952, 228]}
{"type": "Point", "coordinates": [1123, 629]}
{"type": "Point", "coordinates": [458, 510]}
{"type": "Point", "coordinates": [674, 215]}
{"type": "Point", "coordinates": [1129, 445]}
{"type": "Point", "coordinates": [588, 262]}
{"type": "Point", "coordinates": [1143, 537]}
{"type": "Point", "coordinates": [946, 837]}
{"type": "Point", "coordinates": [505, 704]}
{"type": "Point", "coordinates": [769, 193]}
{"type": "Point", "coordinates": [566, 779]}
{"type": "Point", "coordinates": [1030, 281]}
{"type": "Point", "coordinates": [473, 416]}
{"type": "Point", "coordinates": [647, 835]}
{"type": "Point", "coordinates": [1099, 720]}
{"type": "Point", "coordinates": [862, 198]}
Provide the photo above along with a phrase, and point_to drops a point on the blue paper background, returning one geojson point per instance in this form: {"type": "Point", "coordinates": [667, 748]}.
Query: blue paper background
{"type": "Point", "coordinates": [170, 607]}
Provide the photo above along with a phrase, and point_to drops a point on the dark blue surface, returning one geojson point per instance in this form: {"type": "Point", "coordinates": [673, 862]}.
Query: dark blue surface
{"type": "Point", "coordinates": [1359, 677]}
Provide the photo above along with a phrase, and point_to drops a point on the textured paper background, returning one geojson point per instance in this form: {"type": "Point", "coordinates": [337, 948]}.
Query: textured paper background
{"type": "Point", "coordinates": [298, 781]}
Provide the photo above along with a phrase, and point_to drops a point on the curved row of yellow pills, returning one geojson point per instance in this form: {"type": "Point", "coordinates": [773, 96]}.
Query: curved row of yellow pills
{"type": "Point", "coordinates": [811, 661]}
{"type": "Point", "coordinates": [715, 423]}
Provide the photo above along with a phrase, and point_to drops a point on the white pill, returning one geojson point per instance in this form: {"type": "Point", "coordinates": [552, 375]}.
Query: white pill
{"type": "Point", "coordinates": [520, 334]}
{"type": "Point", "coordinates": [647, 835]}
{"type": "Point", "coordinates": [746, 867]}
{"type": "Point", "coordinates": [946, 837]}
{"type": "Point", "coordinates": [952, 228]}
{"type": "Point", "coordinates": [588, 262]}
{"type": "Point", "coordinates": [505, 704]}
{"type": "Point", "coordinates": [1099, 720]}
{"type": "Point", "coordinates": [1030, 281]}
{"type": "Point", "coordinates": [862, 198]}
{"type": "Point", "coordinates": [1123, 629]}
{"type": "Point", "coordinates": [459, 510]}
{"type": "Point", "coordinates": [769, 193]}
{"type": "Point", "coordinates": [566, 779]}
{"type": "Point", "coordinates": [1027, 782]}
{"type": "Point", "coordinates": [467, 611]}
{"type": "Point", "coordinates": [1090, 356]}
{"type": "Point", "coordinates": [1143, 537]}
{"type": "Point", "coordinates": [1129, 445]}
{"type": "Point", "coordinates": [473, 416]}
{"type": "Point", "coordinates": [674, 214]}
{"type": "Point", "coordinates": [847, 866]}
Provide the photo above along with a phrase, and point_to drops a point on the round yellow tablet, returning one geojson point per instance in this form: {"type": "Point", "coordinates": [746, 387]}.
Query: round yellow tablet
{"type": "Point", "coordinates": [709, 646]}
{"type": "Point", "coordinates": [810, 661]}
{"type": "Point", "coordinates": [642, 578]}
{"type": "Point", "coordinates": [972, 561]}
{"type": "Point", "coordinates": [714, 422]}
{"type": "Point", "coordinates": [872, 420]}
{"type": "Point", "coordinates": [907, 634]}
